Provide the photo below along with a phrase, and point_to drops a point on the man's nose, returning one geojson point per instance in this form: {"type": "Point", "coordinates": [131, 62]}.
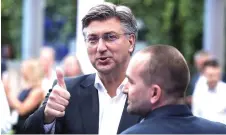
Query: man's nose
{"type": "Point", "coordinates": [126, 88]}
{"type": "Point", "coordinates": [101, 45]}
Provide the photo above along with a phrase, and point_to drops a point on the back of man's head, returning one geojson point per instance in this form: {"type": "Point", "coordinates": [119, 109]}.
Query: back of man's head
{"type": "Point", "coordinates": [168, 69]}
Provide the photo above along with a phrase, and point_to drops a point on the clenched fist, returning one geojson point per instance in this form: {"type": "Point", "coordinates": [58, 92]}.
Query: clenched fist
{"type": "Point", "coordinates": [58, 99]}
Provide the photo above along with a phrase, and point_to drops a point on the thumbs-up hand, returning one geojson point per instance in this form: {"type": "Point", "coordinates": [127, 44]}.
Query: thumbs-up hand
{"type": "Point", "coordinates": [58, 99]}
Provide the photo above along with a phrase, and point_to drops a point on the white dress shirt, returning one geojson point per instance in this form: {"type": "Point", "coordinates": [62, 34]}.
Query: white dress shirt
{"type": "Point", "coordinates": [110, 109]}
{"type": "Point", "coordinates": [210, 104]}
{"type": "Point", "coordinates": [200, 81]}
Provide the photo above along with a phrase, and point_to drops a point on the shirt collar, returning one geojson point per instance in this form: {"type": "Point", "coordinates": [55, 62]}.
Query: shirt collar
{"type": "Point", "coordinates": [217, 88]}
{"type": "Point", "coordinates": [100, 87]}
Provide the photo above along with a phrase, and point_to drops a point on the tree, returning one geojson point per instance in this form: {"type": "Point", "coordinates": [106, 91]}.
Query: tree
{"type": "Point", "coordinates": [59, 22]}
{"type": "Point", "coordinates": [175, 22]}
{"type": "Point", "coordinates": [11, 17]}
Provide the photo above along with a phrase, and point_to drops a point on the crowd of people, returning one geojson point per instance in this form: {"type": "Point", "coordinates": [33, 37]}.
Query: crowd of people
{"type": "Point", "coordinates": [208, 87]}
{"type": "Point", "coordinates": [142, 93]}
{"type": "Point", "coordinates": [36, 78]}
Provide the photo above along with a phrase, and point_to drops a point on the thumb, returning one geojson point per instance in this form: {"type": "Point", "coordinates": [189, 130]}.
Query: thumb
{"type": "Point", "coordinates": [60, 77]}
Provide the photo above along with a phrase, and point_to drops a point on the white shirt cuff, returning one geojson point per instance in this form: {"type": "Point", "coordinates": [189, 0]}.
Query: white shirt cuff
{"type": "Point", "coordinates": [50, 127]}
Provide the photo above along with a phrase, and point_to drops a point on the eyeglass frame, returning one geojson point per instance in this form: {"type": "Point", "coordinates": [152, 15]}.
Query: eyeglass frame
{"type": "Point", "coordinates": [118, 35]}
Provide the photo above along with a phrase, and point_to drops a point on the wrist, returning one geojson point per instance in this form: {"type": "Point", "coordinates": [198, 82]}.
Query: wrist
{"type": "Point", "coordinates": [48, 119]}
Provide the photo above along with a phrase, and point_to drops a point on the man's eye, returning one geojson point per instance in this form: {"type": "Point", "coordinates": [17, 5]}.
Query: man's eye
{"type": "Point", "coordinates": [92, 39]}
{"type": "Point", "coordinates": [111, 37]}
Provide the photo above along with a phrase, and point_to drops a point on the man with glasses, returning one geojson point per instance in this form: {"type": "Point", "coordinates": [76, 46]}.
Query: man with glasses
{"type": "Point", "coordinates": [95, 103]}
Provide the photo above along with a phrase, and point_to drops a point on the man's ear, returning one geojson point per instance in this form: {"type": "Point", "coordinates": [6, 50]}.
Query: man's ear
{"type": "Point", "coordinates": [156, 92]}
{"type": "Point", "coordinates": [132, 40]}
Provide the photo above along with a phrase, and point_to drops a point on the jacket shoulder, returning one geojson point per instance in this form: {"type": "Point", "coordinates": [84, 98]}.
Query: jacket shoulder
{"type": "Point", "coordinates": [79, 81]}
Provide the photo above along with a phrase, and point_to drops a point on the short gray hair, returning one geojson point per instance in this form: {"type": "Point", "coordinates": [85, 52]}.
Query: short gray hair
{"type": "Point", "coordinates": [108, 10]}
{"type": "Point", "coordinates": [200, 54]}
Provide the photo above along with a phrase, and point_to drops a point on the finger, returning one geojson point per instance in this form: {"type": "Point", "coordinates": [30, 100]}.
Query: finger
{"type": "Point", "coordinates": [62, 92]}
{"type": "Point", "coordinates": [62, 101]}
{"type": "Point", "coordinates": [55, 97]}
{"type": "Point", "coordinates": [60, 77]}
{"type": "Point", "coordinates": [55, 113]}
{"type": "Point", "coordinates": [56, 106]}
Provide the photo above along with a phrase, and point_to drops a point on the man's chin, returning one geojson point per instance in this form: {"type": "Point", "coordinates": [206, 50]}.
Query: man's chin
{"type": "Point", "coordinates": [132, 111]}
{"type": "Point", "coordinates": [104, 70]}
{"type": "Point", "coordinates": [136, 111]}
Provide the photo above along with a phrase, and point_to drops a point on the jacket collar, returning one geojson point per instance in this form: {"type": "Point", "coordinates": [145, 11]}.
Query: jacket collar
{"type": "Point", "coordinates": [170, 110]}
{"type": "Point", "coordinates": [89, 80]}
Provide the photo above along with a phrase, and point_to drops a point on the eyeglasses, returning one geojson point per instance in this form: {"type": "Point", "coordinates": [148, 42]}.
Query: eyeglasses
{"type": "Point", "coordinates": [92, 40]}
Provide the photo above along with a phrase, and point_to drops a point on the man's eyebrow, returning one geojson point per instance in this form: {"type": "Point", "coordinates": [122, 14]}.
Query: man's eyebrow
{"type": "Point", "coordinates": [92, 34]}
{"type": "Point", "coordinates": [129, 78]}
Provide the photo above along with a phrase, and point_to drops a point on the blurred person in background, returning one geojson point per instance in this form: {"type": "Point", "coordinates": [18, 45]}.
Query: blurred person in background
{"type": "Point", "coordinates": [71, 66]}
{"type": "Point", "coordinates": [47, 61]}
{"type": "Point", "coordinates": [198, 78]}
{"type": "Point", "coordinates": [209, 97]}
{"type": "Point", "coordinates": [31, 95]}
{"type": "Point", "coordinates": [199, 58]}
{"type": "Point", "coordinates": [9, 116]}
{"type": "Point", "coordinates": [6, 125]}
{"type": "Point", "coordinates": [158, 77]}
{"type": "Point", "coordinates": [7, 52]}
{"type": "Point", "coordinates": [3, 66]}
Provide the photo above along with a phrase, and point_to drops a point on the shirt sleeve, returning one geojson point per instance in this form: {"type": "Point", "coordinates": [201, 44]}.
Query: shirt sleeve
{"type": "Point", "coordinates": [50, 128]}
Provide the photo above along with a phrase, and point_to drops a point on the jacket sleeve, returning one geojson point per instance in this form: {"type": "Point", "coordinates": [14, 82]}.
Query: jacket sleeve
{"type": "Point", "coordinates": [35, 122]}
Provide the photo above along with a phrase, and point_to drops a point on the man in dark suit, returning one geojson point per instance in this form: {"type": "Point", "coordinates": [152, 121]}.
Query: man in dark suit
{"type": "Point", "coordinates": [156, 91]}
{"type": "Point", "coordinates": [93, 104]}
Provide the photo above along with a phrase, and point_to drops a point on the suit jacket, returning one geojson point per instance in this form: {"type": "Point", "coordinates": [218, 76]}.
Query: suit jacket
{"type": "Point", "coordinates": [175, 119]}
{"type": "Point", "coordinates": [192, 84]}
{"type": "Point", "coordinates": [82, 113]}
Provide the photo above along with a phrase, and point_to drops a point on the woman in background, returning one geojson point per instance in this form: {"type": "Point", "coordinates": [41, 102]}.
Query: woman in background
{"type": "Point", "coordinates": [31, 96]}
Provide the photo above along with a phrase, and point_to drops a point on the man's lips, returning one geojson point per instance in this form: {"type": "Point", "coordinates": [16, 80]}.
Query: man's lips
{"type": "Point", "coordinates": [103, 59]}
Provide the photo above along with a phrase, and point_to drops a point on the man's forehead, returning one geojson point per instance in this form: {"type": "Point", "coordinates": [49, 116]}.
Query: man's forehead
{"type": "Point", "coordinates": [212, 68]}
{"type": "Point", "coordinates": [110, 25]}
{"type": "Point", "coordinates": [140, 57]}
{"type": "Point", "coordinates": [138, 61]}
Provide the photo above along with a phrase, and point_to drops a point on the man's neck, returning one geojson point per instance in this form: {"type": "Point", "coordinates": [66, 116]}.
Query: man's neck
{"type": "Point", "coordinates": [170, 101]}
{"type": "Point", "coordinates": [212, 89]}
{"type": "Point", "coordinates": [112, 81]}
